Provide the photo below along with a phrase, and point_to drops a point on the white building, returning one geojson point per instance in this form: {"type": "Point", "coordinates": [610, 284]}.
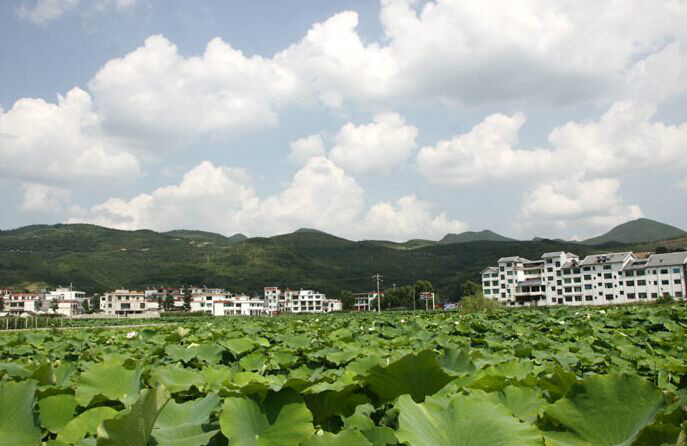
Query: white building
{"type": "Point", "coordinates": [239, 306]}
{"type": "Point", "coordinates": [16, 303]}
{"type": "Point", "coordinates": [129, 304]}
{"type": "Point", "coordinates": [366, 301]}
{"type": "Point", "coordinates": [560, 278]}
{"type": "Point", "coordinates": [65, 294]}
{"type": "Point", "coordinates": [298, 301]}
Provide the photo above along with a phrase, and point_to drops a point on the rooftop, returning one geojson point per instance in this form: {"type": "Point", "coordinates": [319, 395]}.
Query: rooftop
{"type": "Point", "coordinates": [611, 257]}
{"type": "Point", "coordinates": [669, 259]}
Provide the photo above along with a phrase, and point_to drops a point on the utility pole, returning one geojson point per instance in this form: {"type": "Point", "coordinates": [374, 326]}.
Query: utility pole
{"type": "Point", "coordinates": [378, 278]}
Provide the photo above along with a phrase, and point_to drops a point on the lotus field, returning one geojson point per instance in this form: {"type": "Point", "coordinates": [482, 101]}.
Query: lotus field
{"type": "Point", "coordinates": [558, 377]}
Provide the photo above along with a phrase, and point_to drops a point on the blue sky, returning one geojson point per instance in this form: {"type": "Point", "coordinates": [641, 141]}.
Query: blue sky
{"type": "Point", "coordinates": [392, 120]}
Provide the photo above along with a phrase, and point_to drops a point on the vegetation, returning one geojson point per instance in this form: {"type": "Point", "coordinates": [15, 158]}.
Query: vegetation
{"type": "Point", "coordinates": [98, 259]}
{"type": "Point", "coordinates": [638, 231]}
{"type": "Point", "coordinates": [553, 376]}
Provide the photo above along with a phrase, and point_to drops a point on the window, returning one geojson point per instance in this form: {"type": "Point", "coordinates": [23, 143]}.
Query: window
{"type": "Point", "coordinates": [567, 280]}
{"type": "Point", "coordinates": [641, 282]}
{"type": "Point", "coordinates": [501, 268]}
{"type": "Point", "coordinates": [640, 272]}
{"type": "Point", "coordinates": [588, 287]}
{"type": "Point", "coordinates": [630, 283]}
{"type": "Point", "coordinates": [550, 278]}
{"type": "Point", "coordinates": [558, 264]}
{"type": "Point", "coordinates": [577, 279]}
{"type": "Point", "coordinates": [568, 289]}
{"type": "Point", "coordinates": [607, 266]}
{"type": "Point", "coordinates": [608, 276]}
{"type": "Point", "coordinates": [510, 280]}
{"type": "Point", "coordinates": [629, 273]}
{"type": "Point", "coordinates": [676, 270]}
{"type": "Point", "coordinates": [589, 298]}
{"type": "Point", "coordinates": [578, 298]}
{"type": "Point", "coordinates": [510, 273]}
{"type": "Point", "coordinates": [665, 282]}
{"type": "Point", "coordinates": [559, 282]}
{"type": "Point", "coordinates": [677, 281]}
{"type": "Point", "coordinates": [630, 295]}
{"type": "Point", "coordinates": [642, 295]}
{"type": "Point", "coordinates": [549, 269]}
{"type": "Point", "coordinates": [568, 298]}
{"type": "Point", "coordinates": [654, 295]}
{"type": "Point", "coordinates": [587, 277]}
{"type": "Point", "coordinates": [678, 294]}
{"type": "Point", "coordinates": [509, 264]}
{"type": "Point", "coordinates": [609, 297]}
{"type": "Point", "coordinates": [609, 285]}
{"type": "Point", "coordinates": [487, 291]}
{"type": "Point", "coordinates": [586, 268]}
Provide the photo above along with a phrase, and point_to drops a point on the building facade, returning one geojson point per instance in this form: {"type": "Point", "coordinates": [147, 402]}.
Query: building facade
{"type": "Point", "coordinates": [127, 303]}
{"type": "Point", "coordinates": [366, 301]}
{"type": "Point", "coordinates": [561, 278]}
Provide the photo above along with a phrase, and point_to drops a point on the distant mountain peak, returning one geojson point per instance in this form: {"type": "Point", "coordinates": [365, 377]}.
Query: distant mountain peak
{"type": "Point", "coordinates": [641, 230]}
{"type": "Point", "coordinates": [474, 236]}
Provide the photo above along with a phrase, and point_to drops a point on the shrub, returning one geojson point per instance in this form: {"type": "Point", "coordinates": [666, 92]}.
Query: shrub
{"type": "Point", "coordinates": [665, 300]}
{"type": "Point", "coordinates": [476, 303]}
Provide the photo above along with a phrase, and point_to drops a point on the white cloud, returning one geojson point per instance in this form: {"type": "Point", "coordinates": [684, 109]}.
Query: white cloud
{"type": "Point", "coordinates": [61, 143]}
{"type": "Point", "coordinates": [623, 139]}
{"type": "Point", "coordinates": [484, 153]}
{"type": "Point", "coordinates": [302, 149]}
{"type": "Point", "coordinates": [406, 218]}
{"type": "Point", "coordinates": [43, 11]}
{"type": "Point", "coordinates": [377, 146]}
{"type": "Point", "coordinates": [221, 199]}
{"type": "Point", "coordinates": [155, 94]}
{"type": "Point", "coordinates": [575, 201]}
{"type": "Point", "coordinates": [42, 198]}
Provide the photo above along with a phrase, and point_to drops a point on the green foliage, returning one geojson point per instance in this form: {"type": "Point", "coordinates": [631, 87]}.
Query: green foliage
{"type": "Point", "coordinates": [565, 376]}
{"type": "Point", "coordinates": [470, 288]}
{"type": "Point", "coordinates": [347, 300]}
{"type": "Point", "coordinates": [605, 411]}
{"type": "Point", "coordinates": [665, 300]}
{"type": "Point", "coordinates": [17, 425]}
{"type": "Point", "coordinates": [478, 303]}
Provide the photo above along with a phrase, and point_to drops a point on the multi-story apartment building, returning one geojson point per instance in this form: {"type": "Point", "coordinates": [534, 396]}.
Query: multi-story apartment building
{"type": "Point", "coordinates": [16, 303]}
{"type": "Point", "coordinates": [128, 303]}
{"type": "Point", "coordinates": [366, 301]}
{"type": "Point", "coordinates": [561, 278]}
{"type": "Point", "coordinates": [298, 301]}
{"type": "Point", "coordinates": [241, 305]}
{"type": "Point", "coordinates": [65, 294]}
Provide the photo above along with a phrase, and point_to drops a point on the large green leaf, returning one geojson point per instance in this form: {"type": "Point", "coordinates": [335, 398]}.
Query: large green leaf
{"type": "Point", "coordinates": [347, 437]}
{"type": "Point", "coordinates": [525, 403]}
{"type": "Point", "coordinates": [608, 410]}
{"type": "Point", "coordinates": [417, 375]}
{"type": "Point", "coordinates": [133, 426]}
{"type": "Point", "coordinates": [113, 381]}
{"type": "Point", "coordinates": [177, 379]}
{"type": "Point", "coordinates": [56, 411]}
{"type": "Point", "coordinates": [17, 425]}
{"type": "Point", "coordinates": [185, 424]}
{"type": "Point", "coordinates": [465, 421]}
{"type": "Point", "coordinates": [282, 421]}
{"type": "Point", "coordinates": [85, 424]}
{"type": "Point", "coordinates": [458, 361]}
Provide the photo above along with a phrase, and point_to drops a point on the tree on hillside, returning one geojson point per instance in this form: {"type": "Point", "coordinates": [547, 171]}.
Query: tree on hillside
{"type": "Point", "coordinates": [347, 300]}
{"type": "Point", "coordinates": [470, 288]}
{"type": "Point", "coordinates": [168, 302]}
{"type": "Point", "coordinates": [398, 297]}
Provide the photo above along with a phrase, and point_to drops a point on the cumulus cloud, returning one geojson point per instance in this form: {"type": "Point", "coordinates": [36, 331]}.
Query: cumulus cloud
{"type": "Point", "coordinates": [377, 146]}
{"type": "Point", "coordinates": [623, 139]}
{"type": "Point", "coordinates": [302, 149]}
{"type": "Point", "coordinates": [60, 143]}
{"type": "Point", "coordinates": [406, 217]}
{"type": "Point", "coordinates": [156, 95]}
{"type": "Point", "coordinates": [321, 195]}
{"type": "Point", "coordinates": [42, 198]}
{"type": "Point", "coordinates": [43, 11]}
{"type": "Point", "coordinates": [577, 201]}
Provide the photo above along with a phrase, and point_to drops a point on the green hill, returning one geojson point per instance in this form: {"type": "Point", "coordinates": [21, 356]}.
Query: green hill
{"type": "Point", "coordinates": [472, 236]}
{"type": "Point", "coordinates": [641, 230]}
{"type": "Point", "coordinates": [97, 259]}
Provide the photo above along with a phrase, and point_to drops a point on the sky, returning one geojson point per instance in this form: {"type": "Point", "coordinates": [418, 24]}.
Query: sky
{"type": "Point", "coordinates": [388, 120]}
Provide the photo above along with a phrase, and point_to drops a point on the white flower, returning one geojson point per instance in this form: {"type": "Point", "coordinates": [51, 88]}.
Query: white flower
{"type": "Point", "coordinates": [370, 329]}
{"type": "Point", "coordinates": [602, 311]}
{"type": "Point", "coordinates": [561, 322]}
{"type": "Point", "coordinates": [131, 334]}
